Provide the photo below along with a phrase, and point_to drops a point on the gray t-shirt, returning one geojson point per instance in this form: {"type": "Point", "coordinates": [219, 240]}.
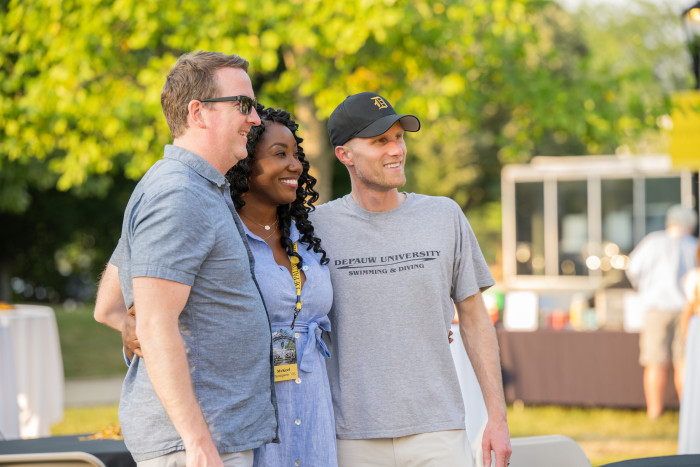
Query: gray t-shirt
{"type": "Point", "coordinates": [180, 225]}
{"type": "Point", "coordinates": [395, 275]}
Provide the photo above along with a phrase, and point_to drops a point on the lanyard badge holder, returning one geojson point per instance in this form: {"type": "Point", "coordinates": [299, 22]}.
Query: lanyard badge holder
{"type": "Point", "coordinates": [284, 349]}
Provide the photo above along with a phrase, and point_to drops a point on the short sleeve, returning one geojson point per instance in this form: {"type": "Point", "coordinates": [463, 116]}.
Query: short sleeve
{"type": "Point", "coordinates": [636, 263]}
{"type": "Point", "coordinates": [471, 273]}
{"type": "Point", "coordinates": [117, 257]}
{"type": "Point", "coordinates": [170, 236]}
{"type": "Point", "coordinates": [690, 284]}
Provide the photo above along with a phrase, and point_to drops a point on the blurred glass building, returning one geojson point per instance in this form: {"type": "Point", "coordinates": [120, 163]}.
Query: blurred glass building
{"type": "Point", "coordinates": [570, 222]}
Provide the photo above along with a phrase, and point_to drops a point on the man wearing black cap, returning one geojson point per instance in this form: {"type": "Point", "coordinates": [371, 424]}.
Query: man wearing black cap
{"type": "Point", "coordinates": [399, 263]}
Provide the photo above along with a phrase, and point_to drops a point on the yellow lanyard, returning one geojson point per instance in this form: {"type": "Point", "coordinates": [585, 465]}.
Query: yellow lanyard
{"type": "Point", "coordinates": [297, 283]}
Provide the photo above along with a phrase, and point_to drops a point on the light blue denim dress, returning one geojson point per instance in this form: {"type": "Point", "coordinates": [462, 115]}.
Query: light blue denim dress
{"type": "Point", "coordinates": [306, 423]}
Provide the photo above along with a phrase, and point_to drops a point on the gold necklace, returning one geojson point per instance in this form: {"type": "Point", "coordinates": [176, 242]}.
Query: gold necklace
{"type": "Point", "coordinates": [266, 227]}
{"type": "Point", "coordinates": [271, 234]}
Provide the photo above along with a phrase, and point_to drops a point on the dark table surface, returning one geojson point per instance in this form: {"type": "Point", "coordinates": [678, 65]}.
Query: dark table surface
{"type": "Point", "coordinates": [577, 368]}
{"type": "Point", "coordinates": [112, 452]}
{"type": "Point", "coordinates": [687, 460]}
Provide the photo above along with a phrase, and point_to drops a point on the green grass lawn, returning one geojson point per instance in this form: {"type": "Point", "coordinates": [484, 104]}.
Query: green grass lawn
{"type": "Point", "coordinates": [82, 420]}
{"type": "Point", "coordinates": [89, 349]}
{"type": "Point", "coordinates": [605, 435]}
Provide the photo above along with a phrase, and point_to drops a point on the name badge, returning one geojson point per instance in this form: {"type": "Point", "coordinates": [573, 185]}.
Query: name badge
{"type": "Point", "coordinates": [284, 355]}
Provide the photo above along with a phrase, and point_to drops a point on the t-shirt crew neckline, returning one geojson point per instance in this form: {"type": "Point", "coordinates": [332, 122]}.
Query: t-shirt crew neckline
{"type": "Point", "coordinates": [356, 208]}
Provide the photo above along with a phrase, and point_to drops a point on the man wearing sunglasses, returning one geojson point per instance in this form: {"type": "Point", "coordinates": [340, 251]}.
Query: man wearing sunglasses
{"type": "Point", "coordinates": [202, 394]}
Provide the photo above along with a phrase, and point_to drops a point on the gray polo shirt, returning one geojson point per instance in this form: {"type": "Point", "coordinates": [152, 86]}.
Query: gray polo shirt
{"type": "Point", "coordinates": [181, 225]}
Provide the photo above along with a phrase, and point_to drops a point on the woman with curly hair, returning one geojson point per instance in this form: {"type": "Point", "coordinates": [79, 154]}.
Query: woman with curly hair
{"type": "Point", "coordinates": [273, 193]}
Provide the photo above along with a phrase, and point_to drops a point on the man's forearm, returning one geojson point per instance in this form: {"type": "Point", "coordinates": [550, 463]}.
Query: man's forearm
{"type": "Point", "coordinates": [109, 303]}
{"type": "Point", "coordinates": [166, 362]}
{"type": "Point", "coordinates": [479, 337]}
{"type": "Point", "coordinates": [481, 345]}
{"type": "Point", "coordinates": [164, 355]}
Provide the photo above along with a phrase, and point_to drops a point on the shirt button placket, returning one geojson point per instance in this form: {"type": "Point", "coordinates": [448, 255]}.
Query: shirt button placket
{"type": "Point", "coordinates": [297, 463]}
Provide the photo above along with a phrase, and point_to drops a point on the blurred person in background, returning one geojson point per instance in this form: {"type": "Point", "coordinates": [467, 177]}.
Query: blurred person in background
{"type": "Point", "coordinates": [655, 269]}
{"type": "Point", "coordinates": [689, 423]}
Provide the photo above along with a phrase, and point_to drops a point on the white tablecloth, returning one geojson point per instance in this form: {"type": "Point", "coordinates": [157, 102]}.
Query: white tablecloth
{"type": "Point", "coordinates": [38, 368]}
{"type": "Point", "coordinates": [9, 411]}
{"type": "Point", "coordinates": [476, 415]}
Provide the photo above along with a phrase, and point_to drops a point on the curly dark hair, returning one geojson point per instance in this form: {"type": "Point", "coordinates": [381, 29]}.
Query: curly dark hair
{"type": "Point", "coordinates": [298, 210]}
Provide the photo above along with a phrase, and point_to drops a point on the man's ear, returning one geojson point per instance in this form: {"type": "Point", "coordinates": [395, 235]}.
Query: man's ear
{"type": "Point", "coordinates": [344, 155]}
{"type": "Point", "coordinates": [195, 114]}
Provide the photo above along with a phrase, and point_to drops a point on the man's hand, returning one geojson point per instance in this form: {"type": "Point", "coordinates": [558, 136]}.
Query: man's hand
{"type": "Point", "coordinates": [204, 455]}
{"type": "Point", "coordinates": [496, 438]}
{"type": "Point", "coordinates": [129, 340]}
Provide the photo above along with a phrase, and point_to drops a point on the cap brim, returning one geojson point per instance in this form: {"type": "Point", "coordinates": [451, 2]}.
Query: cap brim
{"type": "Point", "coordinates": [378, 127]}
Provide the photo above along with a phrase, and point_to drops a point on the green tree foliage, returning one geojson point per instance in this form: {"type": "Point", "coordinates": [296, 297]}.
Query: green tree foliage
{"type": "Point", "coordinates": [646, 59]}
{"type": "Point", "coordinates": [59, 243]}
{"type": "Point", "coordinates": [493, 82]}
{"type": "Point", "coordinates": [81, 80]}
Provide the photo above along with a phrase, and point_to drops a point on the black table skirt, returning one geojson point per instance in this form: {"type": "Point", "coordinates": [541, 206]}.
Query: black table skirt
{"type": "Point", "coordinates": [575, 368]}
{"type": "Point", "coordinates": [112, 453]}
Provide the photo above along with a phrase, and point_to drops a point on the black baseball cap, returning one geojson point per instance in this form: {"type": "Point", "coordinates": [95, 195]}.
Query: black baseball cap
{"type": "Point", "coordinates": [365, 115]}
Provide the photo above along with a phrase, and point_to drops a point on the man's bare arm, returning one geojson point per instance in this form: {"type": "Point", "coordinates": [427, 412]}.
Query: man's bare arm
{"type": "Point", "coordinates": [109, 303]}
{"type": "Point", "coordinates": [111, 310]}
{"type": "Point", "coordinates": [479, 337]}
{"type": "Point", "coordinates": [164, 355]}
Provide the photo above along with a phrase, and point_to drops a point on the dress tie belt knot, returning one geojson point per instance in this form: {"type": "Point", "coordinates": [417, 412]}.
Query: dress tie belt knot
{"type": "Point", "coordinates": [314, 330]}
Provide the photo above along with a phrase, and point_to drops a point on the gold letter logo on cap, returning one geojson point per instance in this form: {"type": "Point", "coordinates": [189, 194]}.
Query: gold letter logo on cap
{"type": "Point", "coordinates": [379, 102]}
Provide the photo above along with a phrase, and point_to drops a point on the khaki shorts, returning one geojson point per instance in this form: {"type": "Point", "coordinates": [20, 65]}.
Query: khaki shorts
{"type": "Point", "coordinates": [437, 449]}
{"type": "Point", "coordinates": [177, 459]}
{"type": "Point", "coordinates": [660, 341]}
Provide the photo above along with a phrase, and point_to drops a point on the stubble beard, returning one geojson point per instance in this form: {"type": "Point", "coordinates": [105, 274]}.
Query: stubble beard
{"type": "Point", "coordinates": [382, 182]}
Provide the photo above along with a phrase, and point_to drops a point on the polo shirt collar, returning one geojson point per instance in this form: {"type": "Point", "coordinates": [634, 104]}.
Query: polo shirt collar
{"type": "Point", "coordinates": [195, 162]}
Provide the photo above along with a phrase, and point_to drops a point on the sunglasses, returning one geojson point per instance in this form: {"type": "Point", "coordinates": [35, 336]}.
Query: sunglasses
{"type": "Point", "coordinates": [246, 103]}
